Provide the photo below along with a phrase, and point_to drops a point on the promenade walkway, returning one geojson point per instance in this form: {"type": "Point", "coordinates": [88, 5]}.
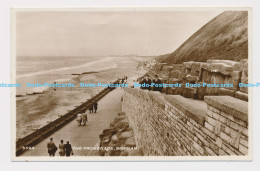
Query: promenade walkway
{"type": "Point", "coordinates": [81, 137]}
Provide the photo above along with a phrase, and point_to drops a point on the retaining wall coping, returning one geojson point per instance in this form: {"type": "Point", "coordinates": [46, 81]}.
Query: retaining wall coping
{"type": "Point", "coordinates": [194, 109]}
{"type": "Point", "coordinates": [230, 105]}
{"type": "Point", "coordinates": [158, 98]}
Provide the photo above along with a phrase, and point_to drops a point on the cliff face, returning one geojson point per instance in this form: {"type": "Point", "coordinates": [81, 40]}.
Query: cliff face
{"type": "Point", "coordinates": [225, 37]}
{"type": "Point", "coordinates": [217, 53]}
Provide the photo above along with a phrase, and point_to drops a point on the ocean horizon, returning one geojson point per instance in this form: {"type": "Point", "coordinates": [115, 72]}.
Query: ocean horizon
{"type": "Point", "coordinates": [55, 69]}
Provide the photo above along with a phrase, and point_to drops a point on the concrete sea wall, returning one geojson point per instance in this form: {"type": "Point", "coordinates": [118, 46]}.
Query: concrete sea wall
{"type": "Point", "coordinates": [177, 126]}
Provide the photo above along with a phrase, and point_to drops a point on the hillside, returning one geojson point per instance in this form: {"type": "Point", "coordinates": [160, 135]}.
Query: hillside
{"type": "Point", "coordinates": [224, 37]}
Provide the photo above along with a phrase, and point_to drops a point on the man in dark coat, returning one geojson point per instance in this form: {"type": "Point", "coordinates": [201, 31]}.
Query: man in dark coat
{"type": "Point", "coordinates": [158, 84]}
{"type": "Point", "coordinates": [141, 82]}
{"type": "Point", "coordinates": [68, 149]}
{"type": "Point", "coordinates": [52, 148]}
{"type": "Point", "coordinates": [95, 104]}
{"type": "Point", "coordinates": [147, 82]}
{"type": "Point", "coordinates": [91, 108]}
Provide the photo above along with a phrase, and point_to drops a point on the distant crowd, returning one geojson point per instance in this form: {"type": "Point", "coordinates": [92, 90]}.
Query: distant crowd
{"type": "Point", "coordinates": [147, 81]}
{"type": "Point", "coordinates": [122, 80]}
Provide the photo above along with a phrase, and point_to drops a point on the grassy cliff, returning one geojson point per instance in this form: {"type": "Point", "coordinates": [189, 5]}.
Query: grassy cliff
{"type": "Point", "coordinates": [224, 37]}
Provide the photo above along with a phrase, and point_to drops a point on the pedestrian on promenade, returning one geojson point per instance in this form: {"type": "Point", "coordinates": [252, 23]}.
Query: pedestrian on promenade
{"type": "Point", "coordinates": [68, 149]}
{"type": "Point", "coordinates": [91, 108]}
{"type": "Point", "coordinates": [79, 119]}
{"type": "Point", "coordinates": [158, 84]}
{"type": "Point", "coordinates": [95, 104]}
{"type": "Point", "coordinates": [62, 148]}
{"type": "Point", "coordinates": [110, 87]}
{"type": "Point", "coordinates": [52, 148]}
{"type": "Point", "coordinates": [147, 83]}
{"type": "Point", "coordinates": [122, 82]}
{"type": "Point", "coordinates": [84, 118]}
{"type": "Point", "coordinates": [141, 82]}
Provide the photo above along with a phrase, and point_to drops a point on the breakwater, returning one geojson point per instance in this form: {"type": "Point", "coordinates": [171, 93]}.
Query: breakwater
{"type": "Point", "coordinates": [42, 133]}
{"type": "Point", "coordinates": [172, 125]}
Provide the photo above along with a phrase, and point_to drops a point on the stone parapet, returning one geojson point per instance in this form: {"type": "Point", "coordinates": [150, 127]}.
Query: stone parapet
{"type": "Point", "coordinates": [193, 109]}
{"type": "Point", "coordinates": [171, 125]}
{"type": "Point", "coordinates": [233, 106]}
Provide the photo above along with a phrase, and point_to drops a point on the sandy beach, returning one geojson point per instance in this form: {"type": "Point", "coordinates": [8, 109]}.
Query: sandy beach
{"type": "Point", "coordinates": [35, 111]}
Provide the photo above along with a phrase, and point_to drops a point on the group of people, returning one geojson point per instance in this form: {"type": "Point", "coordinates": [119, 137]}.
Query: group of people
{"type": "Point", "coordinates": [122, 80]}
{"type": "Point", "coordinates": [82, 116]}
{"type": "Point", "coordinates": [157, 83]}
{"type": "Point", "coordinates": [94, 106]}
{"type": "Point", "coordinates": [65, 149]}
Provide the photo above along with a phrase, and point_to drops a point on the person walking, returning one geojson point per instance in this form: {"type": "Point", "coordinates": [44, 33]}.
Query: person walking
{"type": "Point", "coordinates": [95, 104]}
{"type": "Point", "coordinates": [110, 86]}
{"type": "Point", "coordinates": [79, 119]}
{"type": "Point", "coordinates": [122, 80]}
{"type": "Point", "coordinates": [84, 117]}
{"type": "Point", "coordinates": [147, 82]}
{"type": "Point", "coordinates": [68, 149]}
{"type": "Point", "coordinates": [52, 148]}
{"type": "Point", "coordinates": [91, 108]}
{"type": "Point", "coordinates": [62, 148]}
{"type": "Point", "coordinates": [141, 82]}
{"type": "Point", "coordinates": [158, 84]}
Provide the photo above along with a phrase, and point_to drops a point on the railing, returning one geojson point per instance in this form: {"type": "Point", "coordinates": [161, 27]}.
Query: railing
{"type": "Point", "coordinates": [42, 133]}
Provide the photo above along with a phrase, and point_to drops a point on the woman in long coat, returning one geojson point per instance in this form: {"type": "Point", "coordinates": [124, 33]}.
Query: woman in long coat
{"type": "Point", "coordinates": [62, 148]}
{"type": "Point", "coordinates": [84, 117]}
{"type": "Point", "coordinates": [79, 119]}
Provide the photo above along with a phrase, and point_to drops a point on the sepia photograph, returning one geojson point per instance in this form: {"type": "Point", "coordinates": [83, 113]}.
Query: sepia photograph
{"type": "Point", "coordinates": [131, 84]}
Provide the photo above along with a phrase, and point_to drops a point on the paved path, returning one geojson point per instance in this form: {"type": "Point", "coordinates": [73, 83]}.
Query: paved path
{"type": "Point", "coordinates": [84, 136]}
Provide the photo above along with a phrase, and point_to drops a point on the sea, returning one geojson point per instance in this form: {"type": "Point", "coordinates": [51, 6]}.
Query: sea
{"type": "Point", "coordinates": [55, 69]}
{"type": "Point", "coordinates": [37, 106]}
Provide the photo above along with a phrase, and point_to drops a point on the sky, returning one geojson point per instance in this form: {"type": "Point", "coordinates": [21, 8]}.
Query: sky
{"type": "Point", "coordinates": [104, 33]}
